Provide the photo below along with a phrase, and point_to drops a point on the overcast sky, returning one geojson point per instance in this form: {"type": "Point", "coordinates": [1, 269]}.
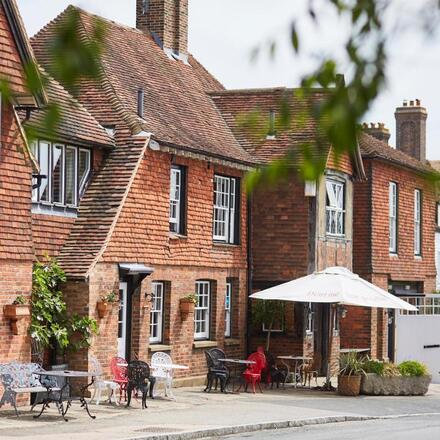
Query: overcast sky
{"type": "Point", "coordinates": [224, 32]}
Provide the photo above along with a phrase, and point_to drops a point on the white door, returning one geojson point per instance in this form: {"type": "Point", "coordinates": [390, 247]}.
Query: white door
{"type": "Point", "coordinates": [122, 320]}
{"type": "Point", "coordinates": [418, 334]}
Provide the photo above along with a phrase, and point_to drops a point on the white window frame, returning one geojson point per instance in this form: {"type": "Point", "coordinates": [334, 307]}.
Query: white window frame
{"type": "Point", "coordinates": [393, 211]}
{"type": "Point", "coordinates": [202, 310]}
{"type": "Point", "coordinates": [228, 309]}
{"type": "Point", "coordinates": [175, 199]}
{"type": "Point", "coordinates": [156, 312]}
{"type": "Point", "coordinates": [310, 318]}
{"type": "Point", "coordinates": [335, 207]}
{"type": "Point", "coordinates": [224, 216]}
{"type": "Point", "coordinates": [417, 222]}
{"type": "Point", "coordinates": [79, 186]}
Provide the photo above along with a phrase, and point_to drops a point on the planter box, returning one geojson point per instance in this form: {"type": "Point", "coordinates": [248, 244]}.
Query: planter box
{"type": "Point", "coordinates": [375, 385]}
{"type": "Point", "coordinates": [349, 385]}
{"type": "Point", "coordinates": [186, 307]}
{"type": "Point", "coordinates": [19, 315]}
{"type": "Point", "coordinates": [102, 308]}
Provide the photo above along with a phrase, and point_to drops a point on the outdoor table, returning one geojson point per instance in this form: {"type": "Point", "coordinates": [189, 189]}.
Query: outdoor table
{"type": "Point", "coordinates": [236, 365]}
{"type": "Point", "coordinates": [298, 361]}
{"type": "Point", "coordinates": [66, 398]}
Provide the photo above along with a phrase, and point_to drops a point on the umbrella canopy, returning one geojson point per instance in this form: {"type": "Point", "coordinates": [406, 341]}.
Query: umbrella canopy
{"type": "Point", "coordinates": [336, 285]}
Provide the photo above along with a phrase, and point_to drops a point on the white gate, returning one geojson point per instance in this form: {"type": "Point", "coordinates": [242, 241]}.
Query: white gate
{"type": "Point", "coordinates": [417, 334]}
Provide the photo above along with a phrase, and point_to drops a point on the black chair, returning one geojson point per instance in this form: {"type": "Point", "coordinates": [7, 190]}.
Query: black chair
{"type": "Point", "coordinates": [138, 374]}
{"type": "Point", "coordinates": [273, 374]}
{"type": "Point", "coordinates": [217, 371]}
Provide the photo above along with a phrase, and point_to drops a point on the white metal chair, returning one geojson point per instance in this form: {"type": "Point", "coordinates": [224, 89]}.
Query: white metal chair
{"type": "Point", "coordinates": [161, 364]}
{"type": "Point", "coordinates": [101, 385]}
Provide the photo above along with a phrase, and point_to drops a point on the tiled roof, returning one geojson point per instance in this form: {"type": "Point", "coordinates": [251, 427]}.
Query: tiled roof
{"type": "Point", "coordinates": [374, 148]}
{"type": "Point", "coordinates": [234, 104]}
{"type": "Point", "coordinates": [100, 208]}
{"type": "Point", "coordinates": [435, 164]}
{"type": "Point", "coordinates": [178, 111]}
{"type": "Point", "coordinates": [77, 125]}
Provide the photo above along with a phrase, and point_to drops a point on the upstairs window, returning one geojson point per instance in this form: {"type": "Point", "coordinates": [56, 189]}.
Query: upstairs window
{"type": "Point", "coordinates": [335, 208]}
{"type": "Point", "coordinates": [177, 200]}
{"type": "Point", "coordinates": [417, 222]}
{"type": "Point", "coordinates": [393, 217]}
{"type": "Point", "coordinates": [226, 209]}
{"type": "Point", "coordinates": [66, 170]}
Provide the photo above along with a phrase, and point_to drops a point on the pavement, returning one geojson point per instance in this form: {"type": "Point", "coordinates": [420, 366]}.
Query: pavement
{"type": "Point", "coordinates": [195, 414]}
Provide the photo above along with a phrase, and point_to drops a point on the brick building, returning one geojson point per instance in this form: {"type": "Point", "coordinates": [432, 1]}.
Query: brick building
{"type": "Point", "coordinates": [394, 224]}
{"type": "Point", "coordinates": [297, 228]}
{"type": "Point", "coordinates": [164, 213]}
{"type": "Point", "coordinates": [16, 168]}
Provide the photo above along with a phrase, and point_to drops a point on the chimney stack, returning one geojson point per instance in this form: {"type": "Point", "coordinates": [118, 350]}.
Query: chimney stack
{"type": "Point", "coordinates": [167, 21]}
{"type": "Point", "coordinates": [411, 129]}
{"type": "Point", "coordinates": [379, 131]}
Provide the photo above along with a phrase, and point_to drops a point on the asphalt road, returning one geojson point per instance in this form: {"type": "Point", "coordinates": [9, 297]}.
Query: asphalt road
{"type": "Point", "coordinates": [406, 428]}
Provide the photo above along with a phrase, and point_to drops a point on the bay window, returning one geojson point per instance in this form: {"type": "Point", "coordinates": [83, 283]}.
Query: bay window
{"type": "Point", "coordinates": [202, 310]}
{"type": "Point", "coordinates": [335, 208]}
{"type": "Point", "coordinates": [66, 170]}
{"type": "Point", "coordinates": [393, 217]}
{"type": "Point", "coordinates": [226, 209]}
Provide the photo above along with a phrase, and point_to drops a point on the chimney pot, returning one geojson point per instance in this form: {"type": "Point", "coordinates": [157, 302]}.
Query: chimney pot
{"type": "Point", "coordinates": [405, 103]}
{"type": "Point", "coordinates": [411, 103]}
{"type": "Point", "coordinates": [379, 131]}
{"type": "Point", "coordinates": [418, 102]}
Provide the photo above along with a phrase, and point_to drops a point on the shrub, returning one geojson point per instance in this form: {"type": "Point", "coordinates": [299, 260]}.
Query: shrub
{"type": "Point", "coordinates": [390, 370]}
{"type": "Point", "coordinates": [373, 366]}
{"type": "Point", "coordinates": [413, 369]}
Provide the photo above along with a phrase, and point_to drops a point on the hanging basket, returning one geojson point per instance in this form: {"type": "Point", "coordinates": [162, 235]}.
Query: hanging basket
{"type": "Point", "coordinates": [17, 314]}
{"type": "Point", "coordinates": [102, 308]}
{"type": "Point", "coordinates": [349, 385]}
{"type": "Point", "coordinates": [186, 306]}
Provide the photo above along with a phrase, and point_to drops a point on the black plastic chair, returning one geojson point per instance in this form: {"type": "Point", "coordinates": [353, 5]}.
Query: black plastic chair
{"type": "Point", "coordinates": [138, 374]}
{"type": "Point", "coordinates": [217, 371]}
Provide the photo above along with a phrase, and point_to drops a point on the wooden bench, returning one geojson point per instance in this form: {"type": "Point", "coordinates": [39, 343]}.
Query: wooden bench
{"type": "Point", "coordinates": [19, 378]}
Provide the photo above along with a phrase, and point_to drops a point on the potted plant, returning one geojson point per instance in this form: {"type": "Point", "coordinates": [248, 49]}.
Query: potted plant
{"type": "Point", "coordinates": [16, 311]}
{"type": "Point", "coordinates": [187, 304]}
{"type": "Point", "coordinates": [104, 302]}
{"type": "Point", "coordinates": [350, 374]}
{"type": "Point", "coordinates": [266, 314]}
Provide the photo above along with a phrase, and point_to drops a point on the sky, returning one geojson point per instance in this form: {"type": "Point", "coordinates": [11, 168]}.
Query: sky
{"type": "Point", "coordinates": [223, 34]}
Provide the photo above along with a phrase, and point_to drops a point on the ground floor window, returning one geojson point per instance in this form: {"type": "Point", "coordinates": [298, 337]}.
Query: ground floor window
{"type": "Point", "coordinates": [202, 310]}
{"type": "Point", "coordinates": [228, 298]}
{"type": "Point", "coordinates": [156, 313]}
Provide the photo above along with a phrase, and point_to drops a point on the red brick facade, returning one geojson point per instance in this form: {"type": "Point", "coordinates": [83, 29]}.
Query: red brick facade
{"type": "Point", "coordinates": [372, 258]}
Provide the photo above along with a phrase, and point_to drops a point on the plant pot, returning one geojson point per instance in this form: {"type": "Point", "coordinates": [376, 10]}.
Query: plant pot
{"type": "Point", "coordinates": [102, 308]}
{"type": "Point", "coordinates": [186, 307]}
{"type": "Point", "coordinates": [18, 314]}
{"type": "Point", "coordinates": [349, 385]}
{"type": "Point", "coordinates": [375, 385]}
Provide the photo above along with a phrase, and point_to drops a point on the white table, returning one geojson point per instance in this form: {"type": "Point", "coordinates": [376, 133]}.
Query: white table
{"type": "Point", "coordinates": [298, 361]}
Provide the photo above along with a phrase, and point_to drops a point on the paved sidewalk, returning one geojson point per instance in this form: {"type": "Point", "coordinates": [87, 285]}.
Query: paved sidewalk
{"type": "Point", "coordinates": [197, 411]}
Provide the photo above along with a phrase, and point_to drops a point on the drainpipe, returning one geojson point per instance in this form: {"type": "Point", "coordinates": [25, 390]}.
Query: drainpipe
{"type": "Point", "coordinates": [249, 271]}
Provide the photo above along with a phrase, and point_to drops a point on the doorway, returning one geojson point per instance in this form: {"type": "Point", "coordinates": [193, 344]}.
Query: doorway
{"type": "Point", "coordinates": [122, 320]}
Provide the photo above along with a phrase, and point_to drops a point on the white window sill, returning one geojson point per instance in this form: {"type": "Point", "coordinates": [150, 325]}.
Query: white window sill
{"type": "Point", "coordinates": [59, 211]}
{"type": "Point", "coordinates": [394, 255]}
{"type": "Point", "coordinates": [159, 347]}
{"type": "Point", "coordinates": [174, 236]}
{"type": "Point", "coordinates": [418, 257]}
{"type": "Point", "coordinates": [205, 344]}
{"type": "Point", "coordinates": [231, 341]}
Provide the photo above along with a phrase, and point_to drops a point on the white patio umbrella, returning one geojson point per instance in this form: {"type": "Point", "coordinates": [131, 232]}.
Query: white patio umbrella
{"type": "Point", "coordinates": [334, 285]}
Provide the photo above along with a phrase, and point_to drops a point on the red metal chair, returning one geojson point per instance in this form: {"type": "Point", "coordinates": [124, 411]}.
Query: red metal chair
{"type": "Point", "coordinates": [118, 368]}
{"type": "Point", "coordinates": [252, 375]}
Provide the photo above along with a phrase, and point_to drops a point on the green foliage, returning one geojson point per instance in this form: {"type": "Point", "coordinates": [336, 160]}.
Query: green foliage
{"type": "Point", "coordinates": [390, 370]}
{"type": "Point", "coordinates": [19, 301]}
{"type": "Point", "coordinates": [110, 297]}
{"type": "Point", "coordinates": [373, 366]}
{"type": "Point", "coordinates": [350, 364]}
{"type": "Point", "coordinates": [191, 297]}
{"type": "Point", "coordinates": [49, 320]}
{"type": "Point", "coordinates": [343, 104]}
{"type": "Point", "coordinates": [413, 369]}
{"type": "Point", "coordinates": [267, 313]}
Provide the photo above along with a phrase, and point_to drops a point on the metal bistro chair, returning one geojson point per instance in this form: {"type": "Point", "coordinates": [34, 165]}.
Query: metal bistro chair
{"type": "Point", "coordinates": [160, 363]}
{"type": "Point", "coordinates": [100, 384]}
{"type": "Point", "coordinates": [217, 371]}
{"type": "Point", "coordinates": [138, 379]}
{"type": "Point", "coordinates": [119, 372]}
{"type": "Point", "coordinates": [252, 375]}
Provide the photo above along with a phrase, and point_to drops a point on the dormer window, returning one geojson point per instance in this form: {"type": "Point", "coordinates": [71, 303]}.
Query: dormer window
{"type": "Point", "coordinates": [65, 170]}
{"type": "Point", "coordinates": [272, 134]}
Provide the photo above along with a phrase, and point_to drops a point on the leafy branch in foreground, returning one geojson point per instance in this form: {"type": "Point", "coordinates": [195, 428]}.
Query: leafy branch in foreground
{"type": "Point", "coordinates": [343, 104]}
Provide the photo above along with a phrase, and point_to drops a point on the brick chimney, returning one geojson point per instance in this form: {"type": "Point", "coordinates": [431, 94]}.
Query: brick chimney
{"type": "Point", "coordinates": [379, 131]}
{"type": "Point", "coordinates": [411, 129]}
{"type": "Point", "coordinates": [167, 20]}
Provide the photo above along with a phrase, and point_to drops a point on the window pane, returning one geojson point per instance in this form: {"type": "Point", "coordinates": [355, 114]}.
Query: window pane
{"type": "Point", "coordinates": [70, 176]}
{"type": "Point", "coordinates": [83, 169]}
{"type": "Point", "coordinates": [57, 174]}
{"type": "Point", "coordinates": [201, 315]}
{"type": "Point", "coordinates": [175, 200]}
{"type": "Point", "coordinates": [44, 170]}
{"type": "Point", "coordinates": [156, 313]}
{"type": "Point", "coordinates": [34, 149]}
